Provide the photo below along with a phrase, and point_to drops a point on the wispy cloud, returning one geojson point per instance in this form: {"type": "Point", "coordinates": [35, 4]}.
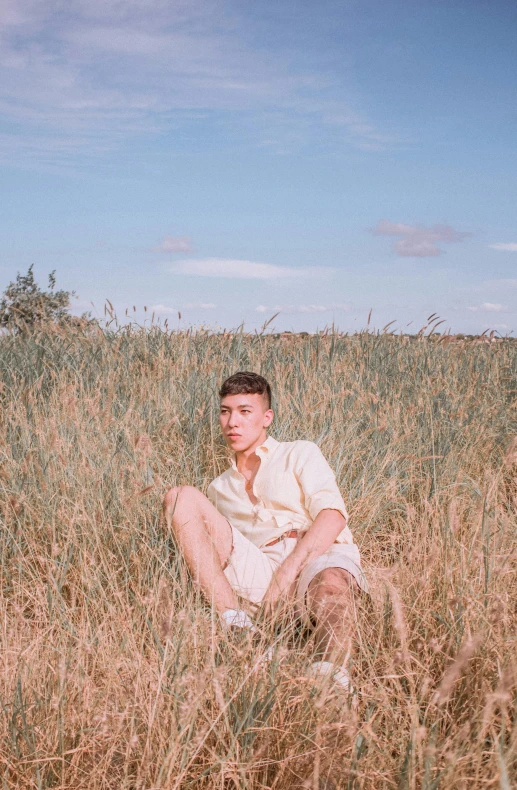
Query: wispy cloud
{"type": "Point", "coordinates": [244, 270]}
{"type": "Point", "coordinates": [504, 246]}
{"type": "Point", "coordinates": [301, 308]}
{"type": "Point", "coordinates": [488, 307]}
{"type": "Point", "coordinates": [418, 241]}
{"type": "Point", "coordinates": [171, 244]}
{"type": "Point", "coordinates": [165, 310]}
{"type": "Point", "coordinates": [87, 78]}
{"type": "Point", "coordinates": [495, 285]}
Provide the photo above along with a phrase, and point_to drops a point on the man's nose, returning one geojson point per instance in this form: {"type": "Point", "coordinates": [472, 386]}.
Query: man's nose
{"type": "Point", "coordinates": [234, 419]}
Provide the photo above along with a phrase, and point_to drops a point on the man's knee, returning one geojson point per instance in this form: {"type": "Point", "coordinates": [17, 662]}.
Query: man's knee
{"type": "Point", "coordinates": [332, 584]}
{"type": "Point", "coordinates": [178, 498]}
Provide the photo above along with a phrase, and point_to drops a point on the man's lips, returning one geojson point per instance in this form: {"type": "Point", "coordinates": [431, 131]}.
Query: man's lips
{"type": "Point", "coordinates": [233, 435]}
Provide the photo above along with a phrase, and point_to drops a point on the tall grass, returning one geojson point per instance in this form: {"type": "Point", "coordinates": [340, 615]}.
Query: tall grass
{"type": "Point", "coordinates": [115, 673]}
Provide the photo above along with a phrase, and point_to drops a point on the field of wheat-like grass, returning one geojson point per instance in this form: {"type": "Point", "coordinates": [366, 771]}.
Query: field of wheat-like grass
{"type": "Point", "coordinates": [115, 673]}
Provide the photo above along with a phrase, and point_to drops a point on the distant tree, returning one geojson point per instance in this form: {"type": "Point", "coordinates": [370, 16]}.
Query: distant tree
{"type": "Point", "coordinates": [25, 306]}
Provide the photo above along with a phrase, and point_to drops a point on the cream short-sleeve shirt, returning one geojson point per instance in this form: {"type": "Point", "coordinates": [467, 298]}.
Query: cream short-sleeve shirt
{"type": "Point", "coordinates": [293, 484]}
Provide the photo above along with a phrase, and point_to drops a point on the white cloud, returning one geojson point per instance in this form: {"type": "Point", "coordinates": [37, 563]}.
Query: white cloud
{"type": "Point", "coordinates": [504, 247]}
{"type": "Point", "coordinates": [172, 244]}
{"type": "Point", "coordinates": [245, 270]}
{"type": "Point", "coordinates": [417, 241]}
{"type": "Point", "coordinates": [98, 75]}
{"type": "Point", "coordinates": [11, 13]}
{"type": "Point", "coordinates": [497, 284]}
{"type": "Point", "coordinates": [163, 309]}
{"type": "Point", "coordinates": [488, 307]}
{"type": "Point", "coordinates": [301, 308]}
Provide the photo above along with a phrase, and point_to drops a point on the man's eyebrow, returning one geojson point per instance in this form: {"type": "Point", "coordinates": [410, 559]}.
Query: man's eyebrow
{"type": "Point", "coordinates": [240, 406]}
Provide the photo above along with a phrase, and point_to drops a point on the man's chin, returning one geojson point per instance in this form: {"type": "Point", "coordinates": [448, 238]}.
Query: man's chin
{"type": "Point", "coordinates": [237, 445]}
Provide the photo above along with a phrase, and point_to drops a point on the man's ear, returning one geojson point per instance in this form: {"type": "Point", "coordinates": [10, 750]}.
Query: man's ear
{"type": "Point", "coordinates": [268, 418]}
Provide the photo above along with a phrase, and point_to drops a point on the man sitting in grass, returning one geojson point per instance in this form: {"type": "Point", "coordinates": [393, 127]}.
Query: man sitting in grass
{"type": "Point", "coordinates": [273, 530]}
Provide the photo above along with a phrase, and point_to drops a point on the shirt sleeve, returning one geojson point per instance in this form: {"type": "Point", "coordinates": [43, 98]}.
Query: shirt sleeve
{"type": "Point", "coordinates": [211, 493]}
{"type": "Point", "coordinates": [318, 482]}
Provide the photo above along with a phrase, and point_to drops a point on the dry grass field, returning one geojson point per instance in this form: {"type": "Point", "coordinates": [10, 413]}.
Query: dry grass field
{"type": "Point", "coordinates": [115, 674]}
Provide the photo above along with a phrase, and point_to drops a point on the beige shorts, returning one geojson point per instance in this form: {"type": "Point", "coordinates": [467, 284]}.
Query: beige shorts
{"type": "Point", "coordinates": [251, 569]}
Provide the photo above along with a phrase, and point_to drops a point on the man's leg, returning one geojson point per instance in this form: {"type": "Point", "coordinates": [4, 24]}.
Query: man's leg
{"type": "Point", "coordinates": [331, 602]}
{"type": "Point", "coordinates": [205, 540]}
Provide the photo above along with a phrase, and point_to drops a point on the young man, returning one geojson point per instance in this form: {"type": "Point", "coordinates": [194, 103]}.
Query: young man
{"type": "Point", "coordinates": [272, 530]}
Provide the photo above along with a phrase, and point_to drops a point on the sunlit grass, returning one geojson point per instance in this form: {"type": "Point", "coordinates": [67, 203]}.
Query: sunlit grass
{"type": "Point", "coordinates": [115, 674]}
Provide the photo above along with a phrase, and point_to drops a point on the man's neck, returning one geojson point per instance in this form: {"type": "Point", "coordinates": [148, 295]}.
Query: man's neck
{"type": "Point", "coordinates": [248, 459]}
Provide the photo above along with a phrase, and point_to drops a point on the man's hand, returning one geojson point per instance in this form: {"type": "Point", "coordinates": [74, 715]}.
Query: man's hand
{"type": "Point", "coordinates": [321, 534]}
{"type": "Point", "coordinates": [281, 588]}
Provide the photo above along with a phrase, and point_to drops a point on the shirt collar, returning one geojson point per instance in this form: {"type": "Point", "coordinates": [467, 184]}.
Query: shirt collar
{"type": "Point", "coordinates": [264, 451]}
{"type": "Point", "coordinates": [267, 448]}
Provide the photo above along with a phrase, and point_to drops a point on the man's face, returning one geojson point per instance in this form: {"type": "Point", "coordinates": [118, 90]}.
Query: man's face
{"type": "Point", "coordinates": [243, 420]}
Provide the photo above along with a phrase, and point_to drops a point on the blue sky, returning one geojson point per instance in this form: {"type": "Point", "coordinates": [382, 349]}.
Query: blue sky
{"type": "Point", "coordinates": [232, 160]}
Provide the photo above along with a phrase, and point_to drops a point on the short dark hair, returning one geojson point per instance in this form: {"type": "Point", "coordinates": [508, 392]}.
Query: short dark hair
{"type": "Point", "coordinates": [245, 383]}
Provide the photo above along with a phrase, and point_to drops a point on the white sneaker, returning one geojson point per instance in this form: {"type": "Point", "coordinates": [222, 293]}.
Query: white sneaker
{"type": "Point", "coordinates": [325, 669]}
{"type": "Point", "coordinates": [237, 618]}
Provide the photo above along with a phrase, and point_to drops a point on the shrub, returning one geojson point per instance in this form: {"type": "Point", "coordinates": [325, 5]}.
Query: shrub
{"type": "Point", "coordinates": [25, 305]}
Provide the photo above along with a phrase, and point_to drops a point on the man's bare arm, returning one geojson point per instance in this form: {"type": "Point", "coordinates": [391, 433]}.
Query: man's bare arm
{"type": "Point", "coordinates": [319, 537]}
